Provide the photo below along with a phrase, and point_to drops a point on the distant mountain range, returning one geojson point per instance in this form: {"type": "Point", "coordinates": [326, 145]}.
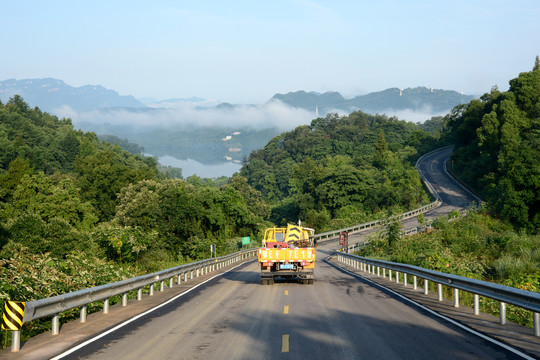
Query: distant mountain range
{"type": "Point", "coordinates": [208, 131]}
{"type": "Point", "coordinates": [417, 99]}
{"type": "Point", "coordinates": [52, 94]}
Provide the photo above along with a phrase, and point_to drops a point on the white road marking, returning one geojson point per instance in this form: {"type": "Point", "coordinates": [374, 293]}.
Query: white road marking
{"type": "Point", "coordinates": [446, 318]}
{"type": "Point", "coordinates": [89, 341]}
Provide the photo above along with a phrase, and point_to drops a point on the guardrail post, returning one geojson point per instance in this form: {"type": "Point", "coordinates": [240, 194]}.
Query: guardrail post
{"type": "Point", "coordinates": [397, 277]}
{"type": "Point", "coordinates": [198, 272]}
{"type": "Point", "coordinates": [152, 290]}
{"type": "Point", "coordinates": [161, 285]}
{"type": "Point", "coordinates": [55, 324]}
{"type": "Point", "coordinates": [83, 313]}
{"type": "Point", "coordinates": [476, 304]}
{"type": "Point", "coordinates": [106, 306]}
{"type": "Point", "coordinates": [378, 271]}
{"type": "Point", "coordinates": [439, 292]}
{"type": "Point", "coordinates": [389, 274]}
{"type": "Point", "coordinates": [171, 280]}
{"type": "Point", "coordinates": [426, 287]}
{"type": "Point", "coordinates": [536, 321]}
{"type": "Point", "coordinates": [405, 279]}
{"type": "Point", "coordinates": [15, 341]}
{"type": "Point", "coordinates": [191, 274]}
{"type": "Point", "coordinates": [139, 294]}
{"type": "Point", "coordinates": [124, 299]}
{"type": "Point", "coordinates": [185, 276]}
{"type": "Point", "coordinates": [415, 282]}
{"type": "Point", "coordinates": [384, 273]}
{"type": "Point", "coordinates": [502, 313]}
{"type": "Point", "coordinates": [456, 297]}
{"type": "Point", "coordinates": [179, 279]}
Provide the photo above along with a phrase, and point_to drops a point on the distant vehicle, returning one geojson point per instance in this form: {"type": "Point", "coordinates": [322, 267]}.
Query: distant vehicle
{"type": "Point", "coordinates": [288, 253]}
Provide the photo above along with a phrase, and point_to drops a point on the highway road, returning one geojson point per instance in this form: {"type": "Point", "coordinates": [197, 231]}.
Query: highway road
{"type": "Point", "coordinates": [453, 195]}
{"type": "Point", "coordinates": [340, 316]}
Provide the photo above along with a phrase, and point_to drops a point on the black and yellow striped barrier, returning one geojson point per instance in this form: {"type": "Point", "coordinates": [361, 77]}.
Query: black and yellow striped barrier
{"type": "Point", "coordinates": [13, 315]}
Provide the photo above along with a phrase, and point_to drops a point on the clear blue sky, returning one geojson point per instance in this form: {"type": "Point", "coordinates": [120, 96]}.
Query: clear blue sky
{"type": "Point", "coordinates": [245, 51]}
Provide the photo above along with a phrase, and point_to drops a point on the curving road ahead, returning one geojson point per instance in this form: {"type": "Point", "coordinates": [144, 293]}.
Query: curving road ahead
{"type": "Point", "coordinates": [233, 316]}
{"type": "Point", "coordinates": [453, 195]}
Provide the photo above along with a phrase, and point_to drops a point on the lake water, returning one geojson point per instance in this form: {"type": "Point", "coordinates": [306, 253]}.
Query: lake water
{"type": "Point", "coordinates": [192, 167]}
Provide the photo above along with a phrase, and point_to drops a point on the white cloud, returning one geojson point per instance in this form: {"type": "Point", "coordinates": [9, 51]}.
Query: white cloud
{"type": "Point", "coordinates": [272, 114]}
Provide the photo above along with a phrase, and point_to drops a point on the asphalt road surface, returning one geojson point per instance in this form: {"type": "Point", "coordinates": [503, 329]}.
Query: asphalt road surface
{"type": "Point", "coordinates": [340, 316]}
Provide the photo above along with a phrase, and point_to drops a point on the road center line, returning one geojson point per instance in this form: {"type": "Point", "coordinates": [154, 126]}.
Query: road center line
{"type": "Point", "coordinates": [286, 309]}
{"type": "Point", "coordinates": [285, 343]}
{"type": "Point", "coordinates": [286, 292]}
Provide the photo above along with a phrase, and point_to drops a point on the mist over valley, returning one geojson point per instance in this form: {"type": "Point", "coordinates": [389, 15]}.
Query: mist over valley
{"type": "Point", "coordinates": [196, 132]}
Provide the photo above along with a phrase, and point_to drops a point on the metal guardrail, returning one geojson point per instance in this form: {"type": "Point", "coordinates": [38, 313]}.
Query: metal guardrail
{"type": "Point", "coordinates": [55, 305]}
{"type": "Point", "coordinates": [406, 215]}
{"type": "Point", "coordinates": [503, 294]}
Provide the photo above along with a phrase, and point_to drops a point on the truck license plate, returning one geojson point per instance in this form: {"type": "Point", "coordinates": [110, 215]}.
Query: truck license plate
{"type": "Point", "coordinates": [287, 266]}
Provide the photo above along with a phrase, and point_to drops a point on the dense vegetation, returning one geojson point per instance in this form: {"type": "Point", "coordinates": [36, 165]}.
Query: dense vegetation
{"type": "Point", "coordinates": [497, 151]}
{"type": "Point", "coordinates": [125, 144]}
{"type": "Point", "coordinates": [497, 148]}
{"type": "Point", "coordinates": [340, 171]}
{"type": "Point", "coordinates": [71, 204]}
{"type": "Point", "coordinates": [477, 246]}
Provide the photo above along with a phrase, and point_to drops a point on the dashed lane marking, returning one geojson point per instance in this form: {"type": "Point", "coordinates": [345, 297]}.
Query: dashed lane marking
{"type": "Point", "coordinates": [285, 343]}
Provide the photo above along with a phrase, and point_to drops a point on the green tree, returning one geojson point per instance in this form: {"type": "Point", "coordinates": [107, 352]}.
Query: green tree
{"type": "Point", "coordinates": [103, 175]}
{"type": "Point", "coordinates": [382, 150]}
{"type": "Point", "coordinates": [138, 205]}
{"type": "Point", "coordinates": [12, 178]}
{"type": "Point", "coordinates": [37, 194]}
{"type": "Point", "coordinates": [497, 148]}
{"type": "Point", "coordinates": [391, 229]}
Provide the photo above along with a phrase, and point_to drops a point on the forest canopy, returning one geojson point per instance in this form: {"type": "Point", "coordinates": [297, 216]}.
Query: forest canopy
{"type": "Point", "coordinates": [64, 190]}
{"type": "Point", "coordinates": [497, 148]}
{"type": "Point", "coordinates": [340, 171]}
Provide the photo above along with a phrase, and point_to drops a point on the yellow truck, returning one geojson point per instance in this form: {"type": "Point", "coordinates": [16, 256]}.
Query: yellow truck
{"type": "Point", "coordinates": [287, 253]}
